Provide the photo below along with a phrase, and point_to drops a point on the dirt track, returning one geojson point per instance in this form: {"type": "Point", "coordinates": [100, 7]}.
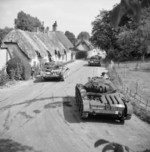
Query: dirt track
{"type": "Point", "coordinates": [42, 117]}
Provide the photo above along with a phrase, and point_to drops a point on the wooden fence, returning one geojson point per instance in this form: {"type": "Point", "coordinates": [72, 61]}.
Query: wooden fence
{"type": "Point", "coordinates": [133, 93]}
{"type": "Point", "coordinates": [136, 96]}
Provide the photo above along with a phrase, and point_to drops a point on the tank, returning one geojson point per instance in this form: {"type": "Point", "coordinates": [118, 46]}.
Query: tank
{"type": "Point", "coordinates": [95, 60]}
{"type": "Point", "coordinates": [52, 70]}
{"type": "Point", "coordinates": [100, 97]}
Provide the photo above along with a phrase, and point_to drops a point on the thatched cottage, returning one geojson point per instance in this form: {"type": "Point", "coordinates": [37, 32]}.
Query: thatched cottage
{"type": "Point", "coordinates": [37, 47]}
{"type": "Point", "coordinates": [83, 45]}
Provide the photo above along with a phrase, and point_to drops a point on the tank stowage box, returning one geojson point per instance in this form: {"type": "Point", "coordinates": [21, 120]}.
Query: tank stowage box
{"type": "Point", "coordinates": [99, 96]}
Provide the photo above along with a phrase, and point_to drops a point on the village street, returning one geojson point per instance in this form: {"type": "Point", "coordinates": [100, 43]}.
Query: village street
{"type": "Point", "coordinates": [38, 116]}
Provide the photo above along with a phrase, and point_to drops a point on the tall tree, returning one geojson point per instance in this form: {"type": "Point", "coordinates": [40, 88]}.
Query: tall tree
{"type": "Point", "coordinates": [103, 35]}
{"type": "Point", "coordinates": [130, 7]}
{"type": "Point", "coordinates": [28, 23]}
{"type": "Point", "coordinates": [83, 35]}
{"type": "Point", "coordinates": [71, 37]}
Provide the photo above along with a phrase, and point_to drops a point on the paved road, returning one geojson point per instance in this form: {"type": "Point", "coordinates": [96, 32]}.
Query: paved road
{"type": "Point", "coordinates": [42, 117]}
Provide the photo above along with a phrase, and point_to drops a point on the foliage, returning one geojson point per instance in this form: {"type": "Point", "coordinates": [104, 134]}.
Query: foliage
{"type": "Point", "coordinates": [127, 42]}
{"type": "Point", "coordinates": [71, 37]}
{"type": "Point", "coordinates": [3, 77]}
{"type": "Point", "coordinates": [83, 35]}
{"type": "Point", "coordinates": [130, 7]}
{"type": "Point", "coordinates": [141, 112]}
{"type": "Point", "coordinates": [28, 23]}
{"type": "Point", "coordinates": [18, 69]}
{"type": "Point", "coordinates": [103, 35]}
{"type": "Point", "coordinates": [26, 70]}
{"type": "Point", "coordinates": [133, 43]}
{"type": "Point", "coordinates": [4, 32]}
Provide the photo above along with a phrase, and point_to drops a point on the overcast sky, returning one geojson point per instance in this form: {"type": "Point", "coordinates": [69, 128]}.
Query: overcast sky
{"type": "Point", "coordinates": [71, 15]}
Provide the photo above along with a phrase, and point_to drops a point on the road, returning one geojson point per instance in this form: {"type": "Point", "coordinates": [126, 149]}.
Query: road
{"type": "Point", "coordinates": [38, 116]}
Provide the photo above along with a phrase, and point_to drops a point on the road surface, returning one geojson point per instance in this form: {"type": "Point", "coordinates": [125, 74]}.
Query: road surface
{"type": "Point", "coordinates": [38, 116]}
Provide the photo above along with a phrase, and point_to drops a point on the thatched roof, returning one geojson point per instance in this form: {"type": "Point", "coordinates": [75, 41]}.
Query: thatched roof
{"type": "Point", "coordinates": [32, 42]}
{"type": "Point", "coordinates": [86, 42]}
{"type": "Point", "coordinates": [63, 39]}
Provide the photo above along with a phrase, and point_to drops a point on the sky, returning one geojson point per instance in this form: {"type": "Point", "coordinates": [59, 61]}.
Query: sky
{"type": "Point", "coordinates": [71, 15]}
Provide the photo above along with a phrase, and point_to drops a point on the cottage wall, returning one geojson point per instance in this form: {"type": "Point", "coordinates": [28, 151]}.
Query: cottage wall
{"type": "Point", "coordinates": [4, 57]}
{"type": "Point", "coordinates": [15, 51]}
{"type": "Point", "coordinates": [68, 56]}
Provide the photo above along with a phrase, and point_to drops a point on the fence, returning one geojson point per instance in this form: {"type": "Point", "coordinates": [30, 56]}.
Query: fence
{"type": "Point", "coordinates": [133, 93]}
{"type": "Point", "coordinates": [136, 96]}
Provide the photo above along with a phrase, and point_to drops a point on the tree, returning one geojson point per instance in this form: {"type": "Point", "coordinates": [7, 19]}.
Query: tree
{"type": "Point", "coordinates": [28, 23]}
{"type": "Point", "coordinates": [134, 42]}
{"type": "Point", "coordinates": [4, 32]}
{"type": "Point", "coordinates": [103, 35]}
{"type": "Point", "coordinates": [83, 35]}
{"type": "Point", "coordinates": [71, 37]}
{"type": "Point", "coordinates": [130, 7]}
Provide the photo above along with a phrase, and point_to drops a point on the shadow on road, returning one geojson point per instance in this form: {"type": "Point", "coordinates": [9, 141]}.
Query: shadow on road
{"type": "Point", "coordinates": [8, 145]}
{"type": "Point", "coordinates": [111, 146]}
{"type": "Point", "coordinates": [86, 65]}
{"type": "Point", "coordinates": [39, 80]}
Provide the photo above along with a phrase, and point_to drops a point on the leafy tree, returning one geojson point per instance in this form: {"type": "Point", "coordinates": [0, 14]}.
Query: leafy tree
{"type": "Point", "coordinates": [103, 35]}
{"type": "Point", "coordinates": [134, 42]}
{"type": "Point", "coordinates": [28, 23]}
{"type": "Point", "coordinates": [71, 37]}
{"type": "Point", "coordinates": [130, 7]}
{"type": "Point", "coordinates": [83, 35]}
{"type": "Point", "coordinates": [4, 32]}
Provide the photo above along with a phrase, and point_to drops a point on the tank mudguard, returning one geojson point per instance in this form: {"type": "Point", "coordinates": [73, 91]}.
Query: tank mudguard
{"type": "Point", "coordinates": [86, 105]}
{"type": "Point", "coordinates": [129, 108]}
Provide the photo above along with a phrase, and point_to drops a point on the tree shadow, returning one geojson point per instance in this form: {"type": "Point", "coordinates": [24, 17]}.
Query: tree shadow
{"type": "Point", "coordinates": [145, 70]}
{"type": "Point", "coordinates": [8, 145]}
{"type": "Point", "coordinates": [141, 70]}
{"type": "Point", "coordinates": [39, 80]}
{"type": "Point", "coordinates": [112, 146]}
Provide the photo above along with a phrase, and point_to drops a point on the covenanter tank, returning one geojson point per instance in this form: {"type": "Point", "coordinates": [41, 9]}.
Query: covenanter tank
{"type": "Point", "coordinates": [52, 70]}
{"type": "Point", "coordinates": [99, 96]}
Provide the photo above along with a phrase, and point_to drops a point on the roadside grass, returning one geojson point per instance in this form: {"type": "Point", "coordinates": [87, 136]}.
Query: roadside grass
{"type": "Point", "coordinates": [135, 76]}
{"type": "Point", "coordinates": [141, 112]}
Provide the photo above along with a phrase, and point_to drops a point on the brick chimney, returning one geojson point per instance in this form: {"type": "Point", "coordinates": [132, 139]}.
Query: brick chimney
{"type": "Point", "coordinates": [55, 26]}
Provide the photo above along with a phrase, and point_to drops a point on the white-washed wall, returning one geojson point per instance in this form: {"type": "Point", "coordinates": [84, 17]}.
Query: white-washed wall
{"type": "Point", "coordinates": [4, 57]}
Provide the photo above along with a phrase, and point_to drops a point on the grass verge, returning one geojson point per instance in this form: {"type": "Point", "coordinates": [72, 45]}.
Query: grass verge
{"type": "Point", "coordinates": [142, 112]}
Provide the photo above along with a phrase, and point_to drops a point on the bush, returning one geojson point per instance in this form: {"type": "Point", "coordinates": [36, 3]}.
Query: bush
{"type": "Point", "coordinates": [141, 112]}
{"type": "Point", "coordinates": [26, 70]}
{"type": "Point", "coordinates": [3, 77]}
{"type": "Point", "coordinates": [18, 69]}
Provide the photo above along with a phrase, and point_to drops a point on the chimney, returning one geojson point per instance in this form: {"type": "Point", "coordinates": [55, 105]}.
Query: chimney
{"type": "Point", "coordinates": [55, 26]}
